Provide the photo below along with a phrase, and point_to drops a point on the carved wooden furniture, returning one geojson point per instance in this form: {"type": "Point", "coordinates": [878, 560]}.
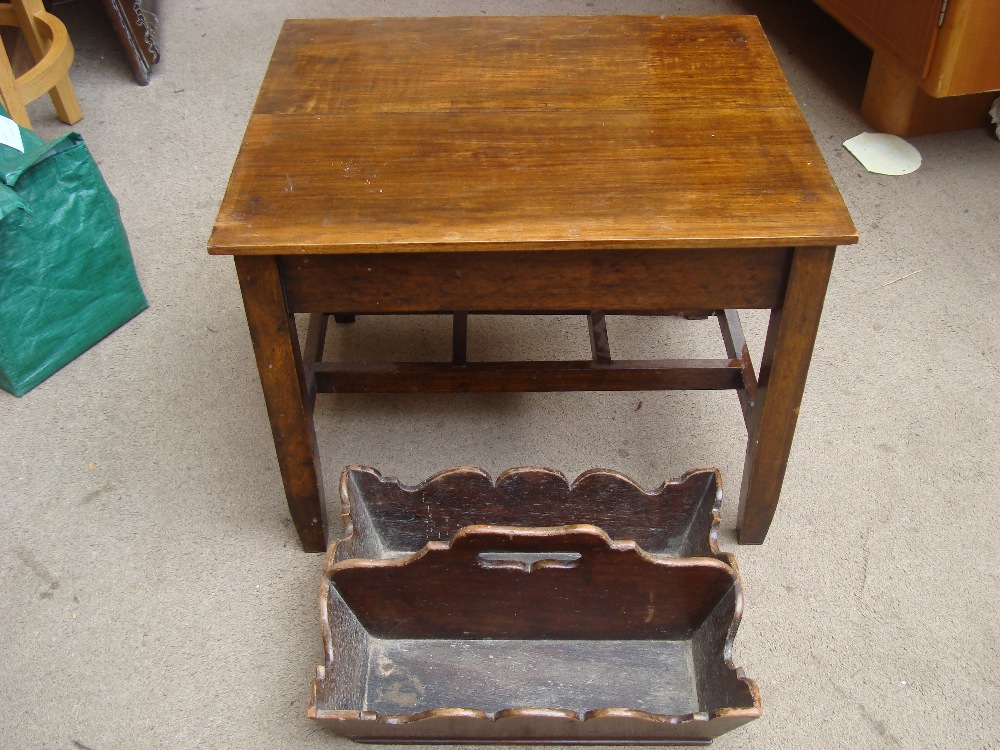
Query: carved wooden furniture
{"type": "Point", "coordinates": [437, 632]}
{"type": "Point", "coordinates": [52, 51]}
{"type": "Point", "coordinates": [678, 519]}
{"type": "Point", "coordinates": [136, 22]}
{"type": "Point", "coordinates": [593, 165]}
{"type": "Point", "coordinates": [935, 63]}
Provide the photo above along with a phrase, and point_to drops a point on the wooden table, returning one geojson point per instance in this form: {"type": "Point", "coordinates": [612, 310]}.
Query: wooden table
{"type": "Point", "coordinates": [593, 165]}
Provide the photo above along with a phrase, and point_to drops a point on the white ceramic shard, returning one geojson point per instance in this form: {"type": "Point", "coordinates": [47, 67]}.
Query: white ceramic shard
{"type": "Point", "coordinates": [882, 153]}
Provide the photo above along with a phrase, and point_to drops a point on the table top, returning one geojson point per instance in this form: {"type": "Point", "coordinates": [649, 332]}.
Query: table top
{"type": "Point", "coordinates": [526, 133]}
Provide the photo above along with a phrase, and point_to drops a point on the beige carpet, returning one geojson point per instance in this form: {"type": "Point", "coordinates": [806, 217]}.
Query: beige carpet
{"type": "Point", "coordinates": [153, 593]}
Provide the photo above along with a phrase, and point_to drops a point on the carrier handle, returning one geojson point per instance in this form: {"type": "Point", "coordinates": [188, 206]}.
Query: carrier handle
{"type": "Point", "coordinates": [582, 538]}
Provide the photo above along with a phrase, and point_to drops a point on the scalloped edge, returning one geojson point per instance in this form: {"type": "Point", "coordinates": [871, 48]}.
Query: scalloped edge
{"type": "Point", "coordinates": [596, 714]}
{"type": "Point", "coordinates": [596, 532]}
{"type": "Point", "coordinates": [345, 503]}
{"type": "Point", "coordinates": [723, 559]}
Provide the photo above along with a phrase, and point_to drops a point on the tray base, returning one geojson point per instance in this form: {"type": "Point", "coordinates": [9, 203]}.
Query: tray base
{"type": "Point", "coordinates": [405, 676]}
{"type": "Point", "coordinates": [505, 741]}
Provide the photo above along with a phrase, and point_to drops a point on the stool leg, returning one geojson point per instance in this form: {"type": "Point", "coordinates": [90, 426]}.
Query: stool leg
{"type": "Point", "coordinates": [62, 94]}
{"type": "Point", "coordinates": [9, 95]}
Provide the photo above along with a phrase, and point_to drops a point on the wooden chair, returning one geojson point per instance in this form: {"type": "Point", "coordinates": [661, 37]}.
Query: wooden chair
{"type": "Point", "coordinates": [53, 54]}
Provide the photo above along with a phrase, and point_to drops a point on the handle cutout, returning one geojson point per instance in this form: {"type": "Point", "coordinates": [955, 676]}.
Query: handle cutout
{"type": "Point", "coordinates": [528, 561]}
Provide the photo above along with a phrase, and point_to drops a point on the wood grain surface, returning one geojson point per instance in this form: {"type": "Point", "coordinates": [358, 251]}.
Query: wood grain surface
{"type": "Point", "coordinates": [627, 165]}
{"type": "Point", "coordinates": [625, 282]}
{"type": "Point", "coordinates": [613, 591]}
{"type": "Point", "coordinates": [905, 29]}
{"type": "Point", "coordinates": [455, 643]}
{"type": "Point", "coordinates": [677, 519]}
{"type": "Point", "coordinates": [784, 365]}
{"type": "Point", "coordinates": [457, 134]}
{"type": "Point", "coordinates": [289, 404]}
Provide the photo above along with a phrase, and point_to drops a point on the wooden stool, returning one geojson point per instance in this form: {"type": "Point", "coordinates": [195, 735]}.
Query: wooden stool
{"type": "Point", "coordinates": [53, 53]}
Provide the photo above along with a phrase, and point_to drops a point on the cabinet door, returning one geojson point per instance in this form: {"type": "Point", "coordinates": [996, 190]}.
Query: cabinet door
{"type": "Point", "coordinates": [904, 28]}
{"type": "Point", "coordinates": [967, 54]}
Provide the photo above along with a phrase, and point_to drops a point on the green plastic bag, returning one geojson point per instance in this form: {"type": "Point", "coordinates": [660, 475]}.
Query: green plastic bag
{"type": "Point", "coordinates": [67, 278]}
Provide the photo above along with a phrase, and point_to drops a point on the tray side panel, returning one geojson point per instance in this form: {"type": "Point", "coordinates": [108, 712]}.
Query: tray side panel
{"type": "Point", "coordinates": [675, 520]}
{"type": "Point", "coordinates": [340, 684]}
{"type": "Point", "coordinates": [722, 688]}
{"type": "Point", "coordinates": [362, 537]}
{"type": "Point", "coordinates": [612, 591]}
{"type": "Point", "coordinates": [521, 729]}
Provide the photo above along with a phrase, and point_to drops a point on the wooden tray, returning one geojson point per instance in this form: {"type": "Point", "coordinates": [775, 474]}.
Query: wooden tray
{"type": "Point", "coordinates": [384, 518]}
{"type": "Point", "coordinates": [514, 634]}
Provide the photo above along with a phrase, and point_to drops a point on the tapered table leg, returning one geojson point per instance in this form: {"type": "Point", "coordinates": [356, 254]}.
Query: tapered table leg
{"type": "Point", "coordinates": [279, 362]}
{"type": "Point", "coordinates": [784, 365]}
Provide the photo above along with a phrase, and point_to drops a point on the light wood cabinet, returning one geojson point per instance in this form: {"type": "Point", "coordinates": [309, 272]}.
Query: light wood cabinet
{"type": "Point", "coordinates": [935, 63]}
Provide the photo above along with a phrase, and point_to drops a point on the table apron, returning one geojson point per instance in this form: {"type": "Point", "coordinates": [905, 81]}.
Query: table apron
{"type": "Point", "coordinates": [626, 281]}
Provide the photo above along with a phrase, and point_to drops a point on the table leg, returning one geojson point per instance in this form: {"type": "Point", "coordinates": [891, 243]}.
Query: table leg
{"type": "Point", "coordinates": [279, 362]}
{"type": "Point", "coordinates": [788, 349]}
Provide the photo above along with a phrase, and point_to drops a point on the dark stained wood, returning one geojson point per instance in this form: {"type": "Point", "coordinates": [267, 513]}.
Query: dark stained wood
{"type": "Point", "coordinates": [447, 591]}
{"type": "Point", "coordinates": [784, 365]}
{"type": "Point", "coordinates": [597, 328]}
{"type": "Point", "coordinates": [679, 518]}
{"type": "Point", "coordinates": [534, 377]}
{"type": "Point", "coordinates": [630, 165]}
{"type": "Point", "coordinates": [346, 655]}
{"type": "Point", "coordinates": [137, 24]}
{"type": "Point", "coordinates": [454, 643]}
{"type": "Point", "coordinates": [279, 363]}
{"type": "Point", "coordinates": [623, 282]}
{"type": "Point", "coordinates": [650, 313]}
{"type": "Point", "coordinates": [312, 352]}
{"type": "Point", "coordinates": [536, 726]}
{"type": "Point", "coordinates": [657, 675]}
{"type": "Point", "coordinates": [736, 348]}
{"type": "Point", "coordinates": [716, 686]}
{"type": "Point", "coordinates": [459, 337]}
{"type": "Point", "coordinates": [529, 692]}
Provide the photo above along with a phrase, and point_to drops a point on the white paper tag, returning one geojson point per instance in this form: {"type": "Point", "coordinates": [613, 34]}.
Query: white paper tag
{"type": "Point", "coordinates": [10, 134]}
